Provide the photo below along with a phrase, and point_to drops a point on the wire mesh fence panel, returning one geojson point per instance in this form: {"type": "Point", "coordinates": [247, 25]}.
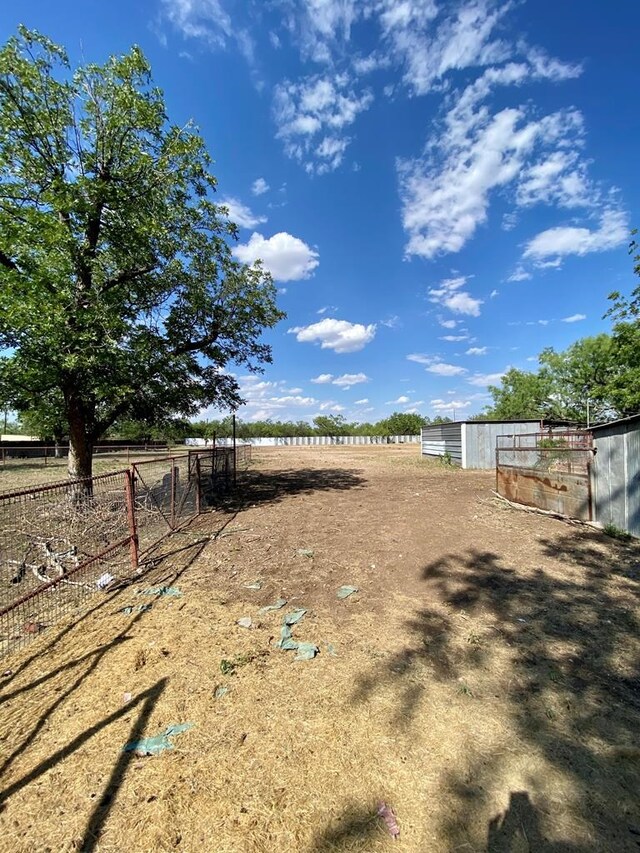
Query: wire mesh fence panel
{"type": "Point", "coordinates": [153, 500]}
{"type": "Point", "coordinates": [214, 471]}
{"type": "Point", "coordinates": [59, 544]}
{"type": "Point", "coordinates": [243, 456]}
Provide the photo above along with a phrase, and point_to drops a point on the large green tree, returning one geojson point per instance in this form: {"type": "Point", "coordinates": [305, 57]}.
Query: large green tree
{"type": "Point", "coordinates": [624, 386]}
{"type": "Point", "coordinates": [580, 378]}
{"type": "Point", "coordinates": [119, 293]}
{"type": "Point", "coordinates": [521, 394]}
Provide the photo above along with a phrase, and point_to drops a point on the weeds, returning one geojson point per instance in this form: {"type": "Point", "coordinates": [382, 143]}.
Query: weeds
{"type": "Point", "coordinates": [615, 532]}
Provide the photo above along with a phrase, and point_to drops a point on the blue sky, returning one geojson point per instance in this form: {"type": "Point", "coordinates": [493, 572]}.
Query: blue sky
{"type": "Point", "coordinates": [439, 189]}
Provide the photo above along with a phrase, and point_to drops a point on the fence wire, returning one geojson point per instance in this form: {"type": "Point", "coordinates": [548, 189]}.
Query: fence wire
{"type": "Point", "coordinates": [55, 544]}
{"type": "Point", "coordinates": [60, 543]}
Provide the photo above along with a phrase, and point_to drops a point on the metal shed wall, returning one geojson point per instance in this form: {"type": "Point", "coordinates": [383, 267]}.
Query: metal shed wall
{"type": "Point", "coordinates": [616, 475]}
{"type": "Point", "coordinates": [480, 440]}
{"type": "Point", "coordinates": [439, 439]}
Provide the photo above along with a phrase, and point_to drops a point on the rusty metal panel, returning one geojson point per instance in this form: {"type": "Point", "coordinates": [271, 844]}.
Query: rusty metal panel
{"type": "Point", "coordinates": [567, 494]}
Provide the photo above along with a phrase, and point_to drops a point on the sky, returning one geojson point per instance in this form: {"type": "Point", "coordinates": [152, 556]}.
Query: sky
{"type": "Point", "coordinates": [439, 189]}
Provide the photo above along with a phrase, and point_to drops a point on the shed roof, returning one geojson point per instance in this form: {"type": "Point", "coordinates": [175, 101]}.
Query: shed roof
{"type": "Point", "coordinates": [620, 422]}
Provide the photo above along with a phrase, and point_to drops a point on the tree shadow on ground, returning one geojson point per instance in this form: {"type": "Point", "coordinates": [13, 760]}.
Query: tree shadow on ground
{"type": "Point", "coordinates": [560, 643]}
{"type": "Point", "coordinates": [356, 825]}
{"type": "Point", "coordinates": [166, 569]}
{"type": "Point", "coordinates": [265, 487]}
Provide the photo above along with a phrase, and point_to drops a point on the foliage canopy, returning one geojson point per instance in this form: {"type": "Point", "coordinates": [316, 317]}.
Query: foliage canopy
{"type": "Point", "coordinates": [119, 294]}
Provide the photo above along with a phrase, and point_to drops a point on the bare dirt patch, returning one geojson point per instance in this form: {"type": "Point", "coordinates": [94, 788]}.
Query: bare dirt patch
{"type": "Point", "coordinates": [484, 681]}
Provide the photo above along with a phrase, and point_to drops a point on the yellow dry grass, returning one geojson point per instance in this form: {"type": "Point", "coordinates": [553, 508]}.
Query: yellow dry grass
{"type": "Point", "coordinates": [483, 683]}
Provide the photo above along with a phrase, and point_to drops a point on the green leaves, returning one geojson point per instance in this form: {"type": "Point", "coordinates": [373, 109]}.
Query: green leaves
{"type": "Point", "coordinates": [118, 289]}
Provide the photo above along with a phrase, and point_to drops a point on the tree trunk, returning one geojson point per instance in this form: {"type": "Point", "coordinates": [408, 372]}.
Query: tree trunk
{"type": "Point", "coordinates": [80, 465]}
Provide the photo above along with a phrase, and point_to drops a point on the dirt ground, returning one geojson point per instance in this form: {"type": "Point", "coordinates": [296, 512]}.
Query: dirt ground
{"type": "Point", "coordinates": [484, 681]}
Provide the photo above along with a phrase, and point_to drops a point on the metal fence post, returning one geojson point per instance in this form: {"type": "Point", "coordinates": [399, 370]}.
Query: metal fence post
{"type": "Point", "coordinates": [198, 485]}
{"type": "Point", "coordinates": [235, 460]}
{"type": "Point", "coordinates": [173, 494]}
{"type": "Point", "coordinates": [130, 498]}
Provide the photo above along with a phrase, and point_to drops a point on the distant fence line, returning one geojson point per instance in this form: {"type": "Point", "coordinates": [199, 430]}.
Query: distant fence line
{"type": "Point", "coordinates": [10, 450]}
{"type": "Point", "coordinates": [308, 440]}
{"type": "Point", "coordinates": [61, 542]}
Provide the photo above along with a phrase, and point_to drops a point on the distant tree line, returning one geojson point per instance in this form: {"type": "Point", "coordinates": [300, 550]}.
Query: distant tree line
{"type": "Point", "coordinates": [399, 423]}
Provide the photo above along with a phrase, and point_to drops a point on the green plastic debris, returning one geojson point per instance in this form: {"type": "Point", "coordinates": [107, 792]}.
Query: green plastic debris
{"type": "Point", "coordinates": [305, 552]}
{"type": "Point", "coordinates": [346, 591]}
{"type": "Point", "coordinates": [285, 634]}
{"type": "Point", "coordinates": [331, 650]}
{"type": "Point", "coordinates": [280, 603]}
{"type": "Point", "coordinates": [220, 691]}
{"type": "Point", "coordinates": [306, 651]}
{"type": "Point", "coordinates": [130, 608]}
{"type": "Point", "coordinates": [156, 745]}
{"type": "Point", "coordinates": [254, 585]}
{"type": "Point", "coordinates": [294, 616]}
{"type": "Point", "coordinates": [160, 590]}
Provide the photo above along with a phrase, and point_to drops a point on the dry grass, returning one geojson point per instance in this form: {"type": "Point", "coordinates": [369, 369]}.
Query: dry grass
{"type": "Point", "coordinates": [29, 473]}
{"type": "Point", "coordinates": [485, 683]}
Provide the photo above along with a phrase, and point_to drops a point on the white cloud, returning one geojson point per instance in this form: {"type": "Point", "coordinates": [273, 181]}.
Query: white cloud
{"type": "Point", "coordinates": [477, 351]}
{"type": "Point", "coordinates": [259, 186]}
{"type": "Point", "coordinates": [312, 117]}
{"type": "Point", "coordinates": [287, 258]}
{"type": "Point", "coordinates": [319, 25]}
{"type": "Point", "coordinates": [447, 324]}
{"type": "Point", "coordinates": [208, 21]}
{"type": "Point", "coordinates": [392, 322]}
{"type": "Point", "coordinates": [241, 214]}
{"type": "Point", "coordinates": [556, 243]}
{"type": "Point", "coordinates": [400, 401]}
{"type": "Point", "coordinates": [420, 358]}
{"type": "Point", "coordinates": [560, 178]}
{"type": "Point", "coordinates": [483, 379]}
{"type": "Point", "coordinates": [347, 380]}
{"type": "Point", "coordinates": [449, 295]}
{"type": "Point", "coordinates": [454, 338]}
{"type": "Point", "coordinates": [574, 318]}
{"type": "Point", "coordinates": [338, 335]}
{"type": "Point", "coordinates": [200, 19]}
{"type": "Point", "coordinates": [362, 402]}
{"type": "Point", "coordinates": [493, 294]}
{"type": "Point", "coordinates": [474, 153]}
{"type": "Point", "coordinates": [519, 274]}
{"type": "Point", "coordinates": [449, 405]}
{"type": "Point", "coordinates": [323, 379]}
{"type": "Point", "coordinates": [428, 49]}
{"type": "Point", "coordinates": [326, 309]}
{"type": "Point", "coordinates": [293, 400]}
{"type": "Point", "coordinates": [269, 399]}
{"type": "Point", "coordinates": [441, 368]}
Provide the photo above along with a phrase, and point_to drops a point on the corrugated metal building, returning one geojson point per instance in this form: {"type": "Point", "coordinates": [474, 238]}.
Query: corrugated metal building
{"type": "Point", "coordinates": [616, 474]}
{"type": "Point", "coordinates": [472, 444]}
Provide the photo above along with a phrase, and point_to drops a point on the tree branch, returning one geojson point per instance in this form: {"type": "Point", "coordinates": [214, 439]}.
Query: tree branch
{"type": "Point", "coordinates": [126, 275]}
{"type": "Point", "coordinates": [6, 261]}
{"type": "Point", "coordinates": [193, 346]}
